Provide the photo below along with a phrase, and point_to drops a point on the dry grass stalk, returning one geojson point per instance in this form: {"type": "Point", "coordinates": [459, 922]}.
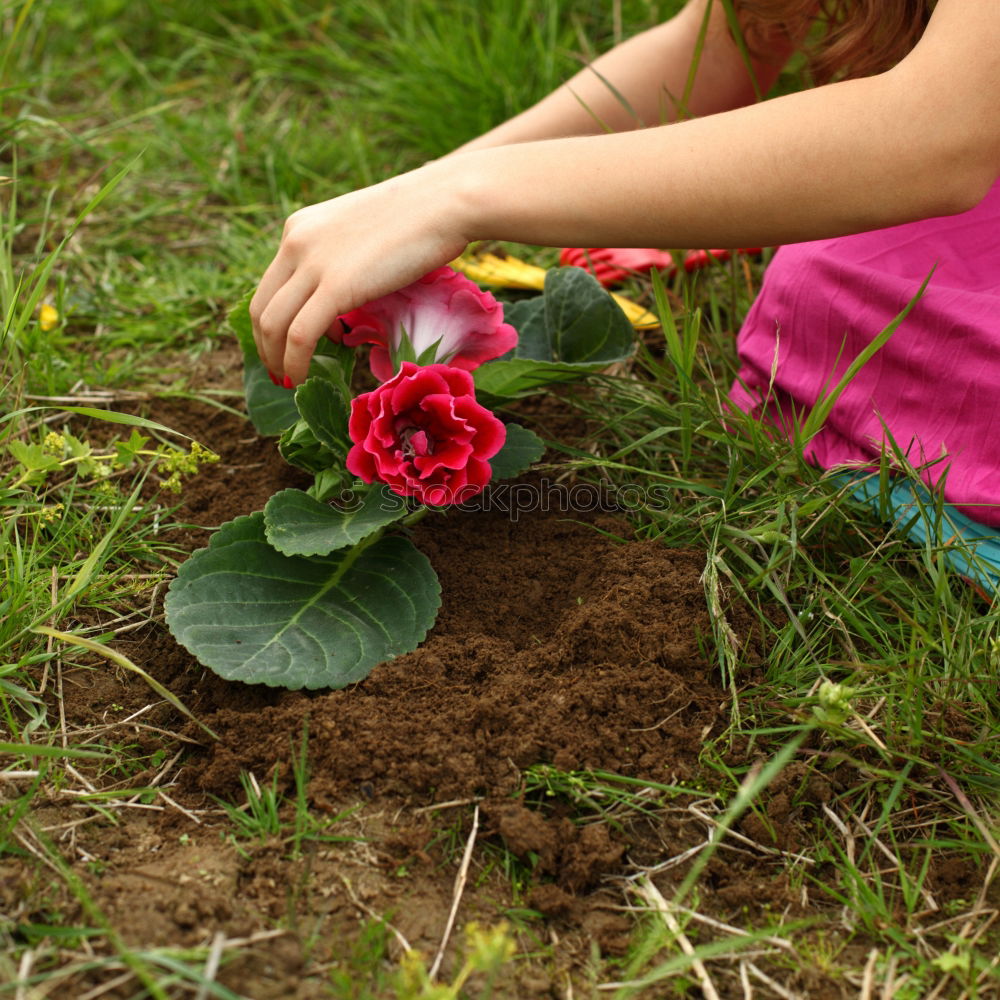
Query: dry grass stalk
{"type": "Point", "coordinates": [460, 880]}
{"type": "Point", "coordinates": [655, 898]}
{"type": "Point", "coordinates": [212, 964]}
{"type": "Point", "coordinates": [397, 934]}
{"type": "Point", "coordinates": [448, 805]}
{"type": "Point", "coordinates": [743, 839]}
{"type": "Point", "coordinates": [771, 984]}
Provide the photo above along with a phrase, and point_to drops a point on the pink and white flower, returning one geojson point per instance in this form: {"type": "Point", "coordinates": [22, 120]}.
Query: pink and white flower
{"type": "Point", "coordinates": [443, 310]}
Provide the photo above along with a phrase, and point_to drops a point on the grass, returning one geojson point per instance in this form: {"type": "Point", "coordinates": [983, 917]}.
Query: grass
{"type": "Point", "coordinates": [264, 815]}
{"type": "Point", "coordinates": [144, 179]}
{"type": "Point", "coordinates": [903, 647]}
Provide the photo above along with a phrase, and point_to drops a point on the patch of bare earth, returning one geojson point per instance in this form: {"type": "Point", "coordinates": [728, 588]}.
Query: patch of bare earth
{"type": "Point", "coordinates": [556, 645]}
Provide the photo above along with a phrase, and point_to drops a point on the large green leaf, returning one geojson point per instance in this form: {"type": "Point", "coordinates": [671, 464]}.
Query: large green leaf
{"type": "Point", "coordinates": [272, 409]}
{"type": "Point", "coordinates": [522, 376]}
{"type": "Point", "coordinates": [528, 317]}
{"type": "Point", "coordinates": [252, 614]}
{"type": "Point", "coordinates": [521, 449]}
{"type": "Point", "coordinates": [573, 328]}
{"type": "Point", "coordinates": [325, 408]}
{"type": "Point", "coordinates": [584, 323]}
{"type": "Point", "coordinates": [298, 525]}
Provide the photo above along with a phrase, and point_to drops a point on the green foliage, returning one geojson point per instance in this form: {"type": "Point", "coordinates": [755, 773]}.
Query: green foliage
{"type": "Point", "coordinates": [298, 525]}
{"type": "Point", "coordinates": [318, 440]}
{"type": "Point", "coordinates": [413, 58]}
{"type": "Point", "coordinates": [242, 112]}
{"type": "Point", "coordinates": [487, 950]}
{"type": "Point", "coordinates": [583, 324]}
{"type": "Point", "coordinates": [72, 529]}
{"type": "Point", "coordinates": [271, 408]}
{"type": "Point", "coordinates": [520, 451]}
{"type": "Point", "coordinates": [573, 328]}
{"type": "Point", "coordinates": [269, 814]}
{"type": "Point", "coordinates": [61, 453]}
{"type": "Point", "coordinates": [331, 619]}
{"type": "Point", "coordinates": [304, 595]}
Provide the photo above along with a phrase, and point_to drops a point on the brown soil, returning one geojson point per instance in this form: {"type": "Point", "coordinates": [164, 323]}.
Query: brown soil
{"type": "Point", "coordinates": [556, 647]}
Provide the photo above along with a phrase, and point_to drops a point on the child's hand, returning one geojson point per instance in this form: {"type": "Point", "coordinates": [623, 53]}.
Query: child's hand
{"type": "Point", "coordinates": [343, 253]}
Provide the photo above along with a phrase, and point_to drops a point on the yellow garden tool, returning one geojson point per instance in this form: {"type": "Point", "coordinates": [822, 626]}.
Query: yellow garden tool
{"type": "Point", "coordinates": [510, 272]}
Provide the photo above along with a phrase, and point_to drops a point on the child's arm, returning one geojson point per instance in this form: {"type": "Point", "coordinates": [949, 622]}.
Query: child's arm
{"type": "Point", "coordinates": [920, 140]}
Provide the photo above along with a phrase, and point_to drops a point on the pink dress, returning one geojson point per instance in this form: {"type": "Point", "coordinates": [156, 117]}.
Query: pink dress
{"type": "Point", "coordinates": [935, 385]}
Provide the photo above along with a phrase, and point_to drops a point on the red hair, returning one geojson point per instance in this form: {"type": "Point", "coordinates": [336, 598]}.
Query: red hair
{"type": "Point", "coordinates": [856, 37]}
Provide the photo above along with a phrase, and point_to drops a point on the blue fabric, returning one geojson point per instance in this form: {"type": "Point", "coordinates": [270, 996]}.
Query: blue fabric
{"type": "Point", "coordinates": [914, 511]}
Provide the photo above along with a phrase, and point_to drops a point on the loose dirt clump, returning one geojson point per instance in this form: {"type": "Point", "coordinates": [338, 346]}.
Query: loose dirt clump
{"type": "Point", "coordinates": [604, 653]}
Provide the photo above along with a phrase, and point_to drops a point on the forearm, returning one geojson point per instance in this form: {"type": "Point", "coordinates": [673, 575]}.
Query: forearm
{"type": "Point", "coordinates": [920, 140]}
{"type": "Point", "coordinates": [651, 72]}
{"type": "Point", "coordinates": [844, 158]}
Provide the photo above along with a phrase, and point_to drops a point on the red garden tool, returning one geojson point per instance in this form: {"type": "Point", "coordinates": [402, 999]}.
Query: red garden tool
{"type": "Point", "coordinates": [613, 264]}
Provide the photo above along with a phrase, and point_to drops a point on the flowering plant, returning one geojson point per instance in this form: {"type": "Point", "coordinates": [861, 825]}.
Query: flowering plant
{"type": "Point", "coordinates": [324, 584]}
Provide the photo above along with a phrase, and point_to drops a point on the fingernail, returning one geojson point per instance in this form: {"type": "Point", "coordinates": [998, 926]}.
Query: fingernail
{"type": "Point", "coordinates": [287, 382]}
{"type": "Point", "coordinates": [274, 378]}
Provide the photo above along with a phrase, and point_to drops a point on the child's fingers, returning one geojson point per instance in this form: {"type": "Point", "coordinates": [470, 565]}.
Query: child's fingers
{"type": "Point", "coordinates": [313, 320]}
{"type": "Point", "coordinates": [276, 275]}
{"type": "Point", "coordinates": [280, 319]}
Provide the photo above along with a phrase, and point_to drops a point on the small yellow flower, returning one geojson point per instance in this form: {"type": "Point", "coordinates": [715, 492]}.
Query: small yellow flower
{"type": "Point", "coordinates": [48, 317]}
{"type": "Point", "coordinates": [54, 443]}
{"type": "Point", "coordinates": [49, 514]}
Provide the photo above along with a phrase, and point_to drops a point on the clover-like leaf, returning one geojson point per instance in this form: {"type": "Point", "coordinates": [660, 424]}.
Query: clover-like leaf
{"type": "Point", "coordinates": [521, 449]}
{"type": "Point", "coordinates": [298, 525]}
{"type": "Point", "coordinates": [252, 614]}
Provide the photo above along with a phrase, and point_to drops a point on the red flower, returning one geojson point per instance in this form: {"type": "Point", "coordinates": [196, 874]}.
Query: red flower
{"type": "Point", "coordinates": [423, 434]}
{"type": "Point", "coordinates": [443, 310]}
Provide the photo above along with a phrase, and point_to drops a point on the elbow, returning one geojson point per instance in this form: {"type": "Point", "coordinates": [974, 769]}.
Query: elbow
{"type": "Point", "coordinates": [953, 190]}
{"type": "Point", "coordinates": [954, 201]}
{"type": "Point", "coordinates": [964, 164]}
{"type": "Point", "coordinates": [947, 144]}
{"type": "Point", "coordinates": [974, 187]}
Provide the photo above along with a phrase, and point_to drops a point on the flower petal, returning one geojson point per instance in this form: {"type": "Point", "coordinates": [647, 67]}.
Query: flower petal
{"type": "Point", "coordinates": [444, 310]}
